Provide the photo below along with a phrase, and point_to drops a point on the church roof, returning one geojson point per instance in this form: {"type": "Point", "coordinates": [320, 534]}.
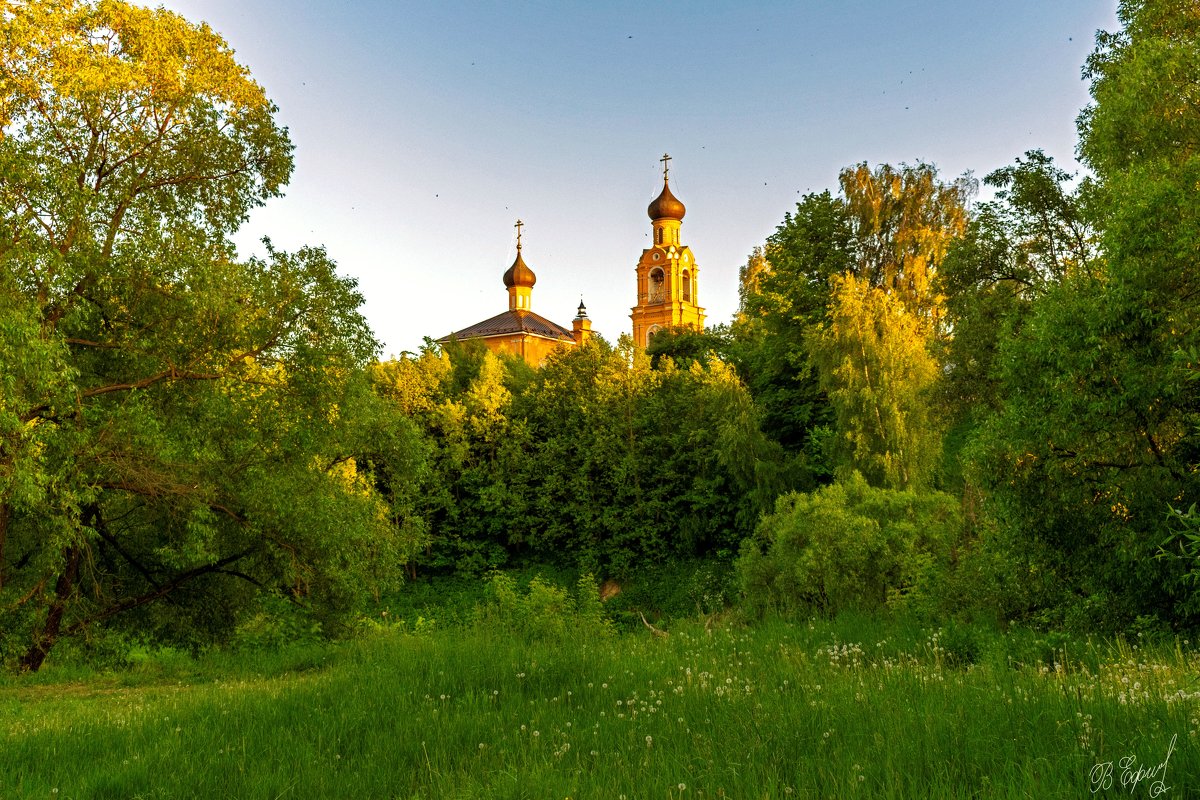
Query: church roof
{"type": "Point", "coordinates": [513, 322]}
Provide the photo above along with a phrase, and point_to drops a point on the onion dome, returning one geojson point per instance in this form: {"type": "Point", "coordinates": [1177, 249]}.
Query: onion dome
{"type": "Point", "coordinates": [519, 274]}
{"type": "Point", "coordinates": [666, 205]}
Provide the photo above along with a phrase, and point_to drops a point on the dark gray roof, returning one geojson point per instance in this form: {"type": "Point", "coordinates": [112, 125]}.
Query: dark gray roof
{"type": "Point", "coordinates": [514, 322]}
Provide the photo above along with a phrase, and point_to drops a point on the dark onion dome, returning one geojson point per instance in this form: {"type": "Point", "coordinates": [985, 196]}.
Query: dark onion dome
{"type": "Point", "coordinates": [519, 274]}
{"type": "Point", "coordinates": [666, 205]}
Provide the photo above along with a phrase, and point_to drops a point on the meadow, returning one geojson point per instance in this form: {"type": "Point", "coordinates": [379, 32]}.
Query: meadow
{"type": "Point", "coordinates": [852, 707]}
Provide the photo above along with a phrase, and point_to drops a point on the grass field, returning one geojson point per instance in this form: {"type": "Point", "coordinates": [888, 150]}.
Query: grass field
{"type": "Point", "coordinates": [849, 708]}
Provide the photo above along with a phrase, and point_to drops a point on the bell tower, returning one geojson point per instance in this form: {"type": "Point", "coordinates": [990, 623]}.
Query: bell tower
{"type": "Point", "coordinates": [666, 272]}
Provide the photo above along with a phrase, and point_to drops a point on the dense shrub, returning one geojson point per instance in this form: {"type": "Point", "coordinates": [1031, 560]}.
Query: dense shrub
{"type": "Point", "coordinates": [849, 546]}
{"type": "Point", "coordinates": [545, 610]}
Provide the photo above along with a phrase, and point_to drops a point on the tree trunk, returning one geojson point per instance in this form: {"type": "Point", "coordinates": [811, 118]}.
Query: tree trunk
{"type": "Point", "coordinates": [32, 660]}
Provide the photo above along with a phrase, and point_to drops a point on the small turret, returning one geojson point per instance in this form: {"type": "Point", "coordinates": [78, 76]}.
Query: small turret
{"type": "Point", "coordinates": [581, 326]}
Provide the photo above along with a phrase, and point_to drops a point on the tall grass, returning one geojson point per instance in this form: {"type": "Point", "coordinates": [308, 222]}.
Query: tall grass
{"type": "Point", "coordinates": [852, 708]}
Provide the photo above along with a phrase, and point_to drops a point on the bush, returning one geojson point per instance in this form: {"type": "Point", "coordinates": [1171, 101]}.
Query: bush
{"type": "Point", "coordinates": [545, 610]}
{"type": "Point", "coordinates": [675, 589]}
{"type": "Point", "coordinates": [849, 546]}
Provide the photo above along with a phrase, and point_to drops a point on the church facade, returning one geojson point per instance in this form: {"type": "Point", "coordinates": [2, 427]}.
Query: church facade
{"type": "Point", "coordinates": [666, 294]}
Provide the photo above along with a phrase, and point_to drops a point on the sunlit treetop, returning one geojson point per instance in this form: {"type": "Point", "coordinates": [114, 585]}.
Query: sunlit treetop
{"type": "Point", "coordinates": [129, 109]}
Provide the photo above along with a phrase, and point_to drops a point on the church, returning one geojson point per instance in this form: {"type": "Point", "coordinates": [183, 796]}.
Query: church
{"type": "Point", "coordinates": [666, 294]}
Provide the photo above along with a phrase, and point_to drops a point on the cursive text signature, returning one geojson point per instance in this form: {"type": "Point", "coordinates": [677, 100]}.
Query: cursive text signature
{"type": "Point", "coordinates": [1131, 774]}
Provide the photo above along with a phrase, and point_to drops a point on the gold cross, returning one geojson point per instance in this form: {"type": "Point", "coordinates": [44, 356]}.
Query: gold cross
{"type": "Point", "coordinates": [518, 227]}
{"type": "Point", "coordinates": [666, 166]}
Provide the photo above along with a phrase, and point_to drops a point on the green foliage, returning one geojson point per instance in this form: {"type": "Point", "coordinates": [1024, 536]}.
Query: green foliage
{"type": "Point", "coordinates": [675, 590]}
{"type": "Point", "coordinates": [545, 611]}
{"type": "Point", "coordinates": [838, 316]}
{"type": "Point", "coordinates": [1015, 249]}
{"type": "Point", "coordinates": [175, 425]}
{"type": "Point", "coordinates": [686, 346]}
{"type": "Point", "coordinates": [1092, 434]}
{"type": "Point", "coordinates": [877, 371]}
{"type": "Point", "coordinates": [849, 546]}
{"type": "Point", "coordinates": [1066, 380]}
{"type": "Point", "coordinates": [784, 290]}
{"type": "Point", "coordinates": [576, 465]}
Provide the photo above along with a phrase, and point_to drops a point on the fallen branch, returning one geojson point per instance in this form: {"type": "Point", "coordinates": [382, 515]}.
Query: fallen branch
{"type": "Point", "coordinates": [660, 633]}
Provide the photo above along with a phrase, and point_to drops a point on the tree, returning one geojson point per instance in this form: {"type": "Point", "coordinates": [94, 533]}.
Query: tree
{"type": "Point", "coordinates": [839, 315]}
{"type": "Point", "coordinates": [685, 345]}
{"type": "Point", "coordinates": [875, 366]}
{"type": "Point", "coordinates": [197, 442]}
{"type": "Point", "coordinates": [1016, 248]}
{"type": "Point", "coordinates": [599, 462]}
{"type": "Point", "coordinates": [902, 222]}
{"type": "Point", "coordinates": [1095, 440]}
{"type": "Point", "coordinates": [785, 290]}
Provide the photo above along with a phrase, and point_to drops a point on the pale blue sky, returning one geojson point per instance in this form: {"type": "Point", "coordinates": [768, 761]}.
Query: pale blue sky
{"type": "Point", "coordinates": [424, 130]}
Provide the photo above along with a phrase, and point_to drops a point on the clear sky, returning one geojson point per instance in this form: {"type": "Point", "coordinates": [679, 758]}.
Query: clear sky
{"type": "Point", "coordinates": [424, 130]}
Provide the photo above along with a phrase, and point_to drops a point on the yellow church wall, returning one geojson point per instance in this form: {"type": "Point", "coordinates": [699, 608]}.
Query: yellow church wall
{"type": "Point", "coordinates": [534, 349]}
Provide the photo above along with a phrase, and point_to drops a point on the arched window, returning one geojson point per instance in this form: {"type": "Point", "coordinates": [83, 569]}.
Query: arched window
{"type": "Point", "coordinates": [657, 283]}
{"type": "Point", "coordinates": [653, 330]}
{"type": "Point", "coordinates": [687, 286]}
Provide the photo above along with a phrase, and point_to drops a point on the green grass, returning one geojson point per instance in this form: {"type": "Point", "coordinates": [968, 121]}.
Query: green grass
{"type": "Point", "coordinates": [851, 708]}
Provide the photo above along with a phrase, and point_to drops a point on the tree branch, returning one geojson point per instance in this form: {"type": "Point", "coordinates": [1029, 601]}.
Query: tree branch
{"type": "Point", "coordinates": [162, 591]}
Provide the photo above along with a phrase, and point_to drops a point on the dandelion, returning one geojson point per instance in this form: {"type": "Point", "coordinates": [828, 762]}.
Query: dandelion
{"type": "Point", "coordinates": [649, 741]}
{"type": "Point", "coordinates": [683, 787]}
{"type": "Point", "coordinates": [537, 734]}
